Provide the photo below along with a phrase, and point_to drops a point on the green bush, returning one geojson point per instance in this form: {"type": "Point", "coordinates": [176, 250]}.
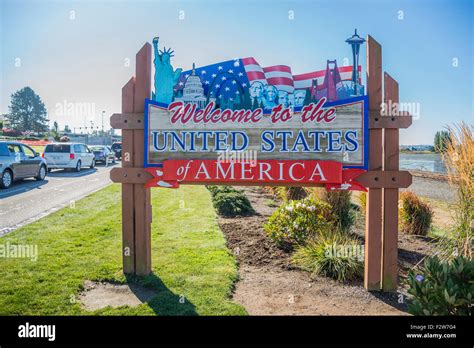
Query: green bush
{"type": "Point", "coordinates": [220, 189]}
{"type": "Point", "coordinates": [340, 202]}
{"type": "Point", "coordinates": [294, 222]}
{"type": "Point", "coordinates": [232, 203]}
{"type": "Point", "coordinates": [415, 215]}
{"type": "Point", "coordinates": [333, 254]}
{"type": "Point", "coordinates": [286, 193]}
{"type": "Point", "coordinates": [442, 288]}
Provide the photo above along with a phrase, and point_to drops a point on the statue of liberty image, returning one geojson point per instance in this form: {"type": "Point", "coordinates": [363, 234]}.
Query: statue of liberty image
{"type": "Point", "coordinates": [165, 77]}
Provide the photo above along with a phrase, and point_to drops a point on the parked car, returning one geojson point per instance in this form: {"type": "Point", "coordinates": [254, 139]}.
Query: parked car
{"type": "Point", "coordinates": [103, 153]}
{"type": "Point", "coordinates": [68, 155]}
{"type": "Point", "coordinates": [117, 148]}
{"type": "Point", "coordinates": [19, 161]}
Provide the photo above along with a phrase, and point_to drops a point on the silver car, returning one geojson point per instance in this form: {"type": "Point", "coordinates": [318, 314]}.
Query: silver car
{"type": "Point", "coordinates": [68, 156]}
{"type": "Point", "coordinates": [19, 161]}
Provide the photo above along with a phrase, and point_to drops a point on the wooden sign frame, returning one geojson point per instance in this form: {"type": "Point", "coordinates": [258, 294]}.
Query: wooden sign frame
{"type": "Point", "coordinates": [383, 179]}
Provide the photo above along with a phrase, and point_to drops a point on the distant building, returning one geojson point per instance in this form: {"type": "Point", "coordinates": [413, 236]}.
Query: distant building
{"type": "Point", "coordinates": [417, 147]}
{"type": "Point", "coordinates": [4, 121]}
{"type": "Point", "coordinates": [193, 92]}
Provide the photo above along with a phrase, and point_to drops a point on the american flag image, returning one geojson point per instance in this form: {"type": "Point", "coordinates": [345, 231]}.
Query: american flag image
{"type": "Point", "coordinates": [225, 79]}
{"type": "Point", "coordinates": [231, 79]}
{"type": "Point", "coordinates": [281, 76]}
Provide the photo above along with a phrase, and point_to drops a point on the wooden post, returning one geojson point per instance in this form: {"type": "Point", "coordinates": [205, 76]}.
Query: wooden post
{"type": "Point", "coordinates": [128, 229]}
{"type": "Point", "coordinates": [141, 193]}
{"type": "Point", "coordinates": [373, 224]}
{"type": "Point", "coordinates": [383, 177]}
{"type": "Point", "coordinates": [390, 195]}
{"type": "Point", "coordinates": [136, 206]}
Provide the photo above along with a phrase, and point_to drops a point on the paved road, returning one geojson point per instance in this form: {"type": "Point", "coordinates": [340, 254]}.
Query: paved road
{"type": "Point", "coordinates": [29, 200]}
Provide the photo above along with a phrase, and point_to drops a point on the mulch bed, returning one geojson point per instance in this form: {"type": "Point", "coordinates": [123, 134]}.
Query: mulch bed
{"type": "Point", "coordinates": [255, 251]}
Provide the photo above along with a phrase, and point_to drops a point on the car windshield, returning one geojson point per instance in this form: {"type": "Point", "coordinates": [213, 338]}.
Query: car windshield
{"type": "Point", "coordinates": [58, 148]}
{"type": "Point", "coordinates": [116, 146]}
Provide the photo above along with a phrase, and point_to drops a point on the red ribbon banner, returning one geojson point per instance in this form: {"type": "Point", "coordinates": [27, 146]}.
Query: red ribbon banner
{"type": "Point", "coordinates": [280, 172]}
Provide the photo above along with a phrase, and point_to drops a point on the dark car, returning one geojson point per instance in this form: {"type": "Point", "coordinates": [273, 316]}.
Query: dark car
{"type": "Point", "coordinates": [19, 161]}
{"type": "Point", "coordinates": [103, 153]}
{"type": "Point", "coordinates": [117, 148]}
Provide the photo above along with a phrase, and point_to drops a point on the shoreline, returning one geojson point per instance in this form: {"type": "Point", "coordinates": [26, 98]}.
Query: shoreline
{"type": "Point", "coordinates": [429, 175]}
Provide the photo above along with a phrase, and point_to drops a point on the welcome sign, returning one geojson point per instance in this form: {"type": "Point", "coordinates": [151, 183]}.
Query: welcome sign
{"type": "Point", "coordinates": [237, 122]}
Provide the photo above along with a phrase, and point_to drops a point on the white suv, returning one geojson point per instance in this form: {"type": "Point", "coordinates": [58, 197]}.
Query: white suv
{"type": "Point", "coordinates": [68, 155]}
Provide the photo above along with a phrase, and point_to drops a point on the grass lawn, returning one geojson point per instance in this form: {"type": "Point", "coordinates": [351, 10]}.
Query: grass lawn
{"type": "Point", "coordinates": [75, 244]}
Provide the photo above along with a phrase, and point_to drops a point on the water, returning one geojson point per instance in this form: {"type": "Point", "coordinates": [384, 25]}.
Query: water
{"type": "Point", "coordinates": [430, 162]}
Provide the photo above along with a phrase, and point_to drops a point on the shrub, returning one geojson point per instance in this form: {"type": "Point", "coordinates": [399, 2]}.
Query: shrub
{"type": "Point", "coordinates": [459, 160]}
{"type": "Point", "coordinates": [293, 222]}
{"type": "Point", "coordinates": [290, 193]}
{"type": "Point", "coordinates": [220, 189]}
{"type": "Point", "coordinates": [340, 202]}
{"type": "Point", "coordinates": [442, 288]}
{"type": "Point", "coordinates": [231, 204]}
{"type": "Point", "coordinates": [11, 132]}
{"type": "Point", "coordinates": [333, 254]}
{"type": "Point", "coordinates": [415, 215]}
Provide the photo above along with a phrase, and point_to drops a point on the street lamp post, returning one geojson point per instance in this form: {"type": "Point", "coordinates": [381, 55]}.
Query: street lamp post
{"type": "Point", "coordinates": [355, 41]}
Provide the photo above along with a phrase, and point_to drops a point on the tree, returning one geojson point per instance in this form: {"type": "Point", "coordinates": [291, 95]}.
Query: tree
{"type": "Point", "coordinates": [27, 111]}
{"type": "Point", "coordinates": [441, 141]}
{"type": "Point", "coordinates": [54, 131]}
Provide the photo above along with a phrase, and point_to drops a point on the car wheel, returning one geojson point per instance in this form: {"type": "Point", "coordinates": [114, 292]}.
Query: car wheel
{"type": "Point", "coordinates": [93, 164]}
{"type": "Point", "coordinates": [78, 166]}
{"type": "Point", "coordinates": [113, 161]}
{"type": "Point", "coordinates": [7, 179]}
{"type": "Point", "coordinates": [41, 173]}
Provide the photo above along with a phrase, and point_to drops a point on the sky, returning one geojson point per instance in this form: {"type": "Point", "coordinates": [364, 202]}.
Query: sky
{"type": "Point", "coordinates": [77, 55]}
